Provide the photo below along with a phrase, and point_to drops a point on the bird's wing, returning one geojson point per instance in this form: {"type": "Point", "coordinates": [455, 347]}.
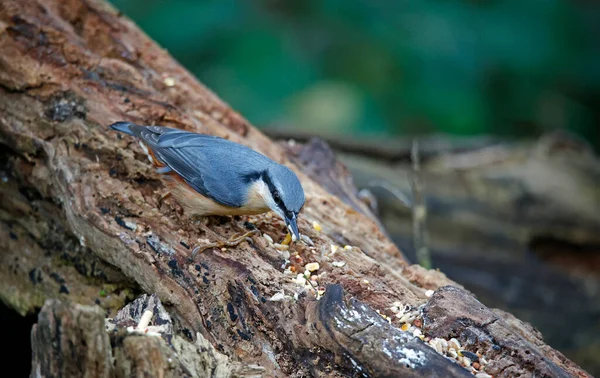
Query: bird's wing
{"type": "Point", "coordinates": [214, 167]}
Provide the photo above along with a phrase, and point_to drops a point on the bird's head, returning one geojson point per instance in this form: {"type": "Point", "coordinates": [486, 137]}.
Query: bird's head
{"type": "Point", "coordinates": [284, 195]}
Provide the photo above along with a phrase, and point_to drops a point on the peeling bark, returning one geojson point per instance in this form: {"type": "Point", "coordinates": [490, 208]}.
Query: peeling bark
{"type": "Point", "coordinates": [68, 69]}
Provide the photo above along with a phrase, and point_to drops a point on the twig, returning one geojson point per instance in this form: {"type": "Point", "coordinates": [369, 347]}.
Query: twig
{"type": "Point", "coordinates": [419, 210]}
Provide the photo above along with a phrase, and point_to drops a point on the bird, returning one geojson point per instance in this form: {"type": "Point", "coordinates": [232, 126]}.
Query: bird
{"type": "Point", "coordinates": [209, 175]}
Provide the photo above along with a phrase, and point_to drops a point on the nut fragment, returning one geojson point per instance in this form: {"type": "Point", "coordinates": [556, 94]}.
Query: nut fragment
{"type": "Point", "coordinates": [277, 296]}
{"type": "Point", "coordinates": [287, 240]}
{"type": "Point", "coordinates": [454, 344]}
{"type": "Point", "coordinates": [268, 238]}
{"type": "Point", "coordinates": [311, 267]}
{"type": "Point", "coordinates": [281, 247]}
{"type": "Point", "coordinates": [169, 82]}
{"type": "Point", "coordinates": [316, 226]}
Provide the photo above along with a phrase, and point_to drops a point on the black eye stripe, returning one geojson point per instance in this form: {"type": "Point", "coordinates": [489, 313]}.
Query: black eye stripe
{"type": "Point", "coordinates": [274, 192]}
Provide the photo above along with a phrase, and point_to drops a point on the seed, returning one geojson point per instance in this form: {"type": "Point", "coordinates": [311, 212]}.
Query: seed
{"type": "Point", "coordinates": [429, 293]}
{"type": "Point", "coordinates": [307, 240]}
{"type": "Point", "coordinates": [316, 226]}
{"type": "Point", "coordinates": [444, 344]}
{"type": "Point", "coordinates": [405, 327]}
{"type": "Point", "coordinates": [311, 267]}
{"type": "Point", "coordinates": [268, 238]}
{"type": "Point", "coordinates": [287, 240]}
{"type": "Point", "coordinates": [277, 296]}
{"type": "Point", "coordinates": [455, 344]}
{"type": "Point", "coordinates": [281, 247]}
{"type": "Point", "coordinates": [169, 82]}
{"type": "Point", "coordinates": [338, 264]}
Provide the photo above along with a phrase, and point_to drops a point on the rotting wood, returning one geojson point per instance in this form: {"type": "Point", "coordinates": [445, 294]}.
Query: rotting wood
{"type": "Point", "coordinates": [68, 69]}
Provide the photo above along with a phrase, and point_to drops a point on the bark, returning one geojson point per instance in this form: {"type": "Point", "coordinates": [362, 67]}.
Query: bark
{"type": "Point", "coordinates": [82, 221]}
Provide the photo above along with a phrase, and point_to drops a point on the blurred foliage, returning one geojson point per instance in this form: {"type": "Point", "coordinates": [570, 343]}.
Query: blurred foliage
{"type": "Point", "coordinates": [391, 67]}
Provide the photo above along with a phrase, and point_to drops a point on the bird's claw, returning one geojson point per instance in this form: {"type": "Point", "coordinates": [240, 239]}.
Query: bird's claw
{"type": "Point", "coordinates": [233, 242]}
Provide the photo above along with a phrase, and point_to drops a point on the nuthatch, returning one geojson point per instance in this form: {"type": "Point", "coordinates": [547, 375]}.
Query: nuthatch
{"type": "Point", "coordinates": [209, 175]}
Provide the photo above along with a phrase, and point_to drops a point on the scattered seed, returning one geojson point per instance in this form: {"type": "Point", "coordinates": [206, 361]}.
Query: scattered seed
{"type": "Point", "coordinates": [347, 247]}
{"type": "Point", "coordinates": [307, 240]}
{"type": "Point", "coordinates": [287, 240]}
{"type": "Point", "coordinates": [300, 279]}
{"type": "Point", "coordinates": [429, 293]}
{"type": "Point", "coordinates": [334, 249]}
{"type": "Point", "coordinates": [311, 267]}
{"type": "Point", "coordinates": [444, 344]}
{"type": "Point", "coordinates": [317, 226]}
{"type": "Point", "coordinates": [281, 247]}
{"type": "Point", "coordinates": [277, 296]}
{"type": "Point", "coordinates": [455, 344]}
{"type": "Point", "coordinates": [268, 238]}
{"type": "Point", "coordinates": [169, 82]}
{"type": "Point", "coordinates": [338, 264]}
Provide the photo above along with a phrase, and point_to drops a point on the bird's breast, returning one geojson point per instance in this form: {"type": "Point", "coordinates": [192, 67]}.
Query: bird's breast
{"type": "Point", "coordinates": [195, 203]}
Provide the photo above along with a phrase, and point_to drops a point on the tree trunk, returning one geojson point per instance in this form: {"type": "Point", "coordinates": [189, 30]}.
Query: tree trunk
{"type": "Point", "coordinates": [81, 220]}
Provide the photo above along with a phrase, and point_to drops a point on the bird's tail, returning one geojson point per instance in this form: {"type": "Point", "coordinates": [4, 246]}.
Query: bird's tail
{"type": "Point", "coordinates": [123, 127]}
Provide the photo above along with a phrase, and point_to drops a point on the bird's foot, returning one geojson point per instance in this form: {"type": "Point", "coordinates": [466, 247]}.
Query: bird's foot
{"type": "Point", "coordinates": [233, 242]}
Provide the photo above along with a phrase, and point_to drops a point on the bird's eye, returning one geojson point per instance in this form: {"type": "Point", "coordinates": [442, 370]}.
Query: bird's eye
{"type": "Point", "coordinates": [276, 196]}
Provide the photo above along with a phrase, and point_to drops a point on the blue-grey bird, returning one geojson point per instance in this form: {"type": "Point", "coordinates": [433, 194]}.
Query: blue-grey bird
{"type": "Point", "coordinates": [209, 175]}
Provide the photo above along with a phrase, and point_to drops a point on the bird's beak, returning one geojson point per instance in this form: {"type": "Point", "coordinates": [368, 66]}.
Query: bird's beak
{"type": "Point", "coordinates": [292, 227]}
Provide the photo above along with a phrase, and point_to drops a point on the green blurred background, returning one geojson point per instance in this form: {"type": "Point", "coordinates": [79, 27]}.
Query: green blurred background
{"type": "Point", "coordinates": [512, 68]}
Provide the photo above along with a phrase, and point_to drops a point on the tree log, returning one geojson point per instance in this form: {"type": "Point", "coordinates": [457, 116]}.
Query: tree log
{"type": "Point", "coordinates": [82, 220]}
